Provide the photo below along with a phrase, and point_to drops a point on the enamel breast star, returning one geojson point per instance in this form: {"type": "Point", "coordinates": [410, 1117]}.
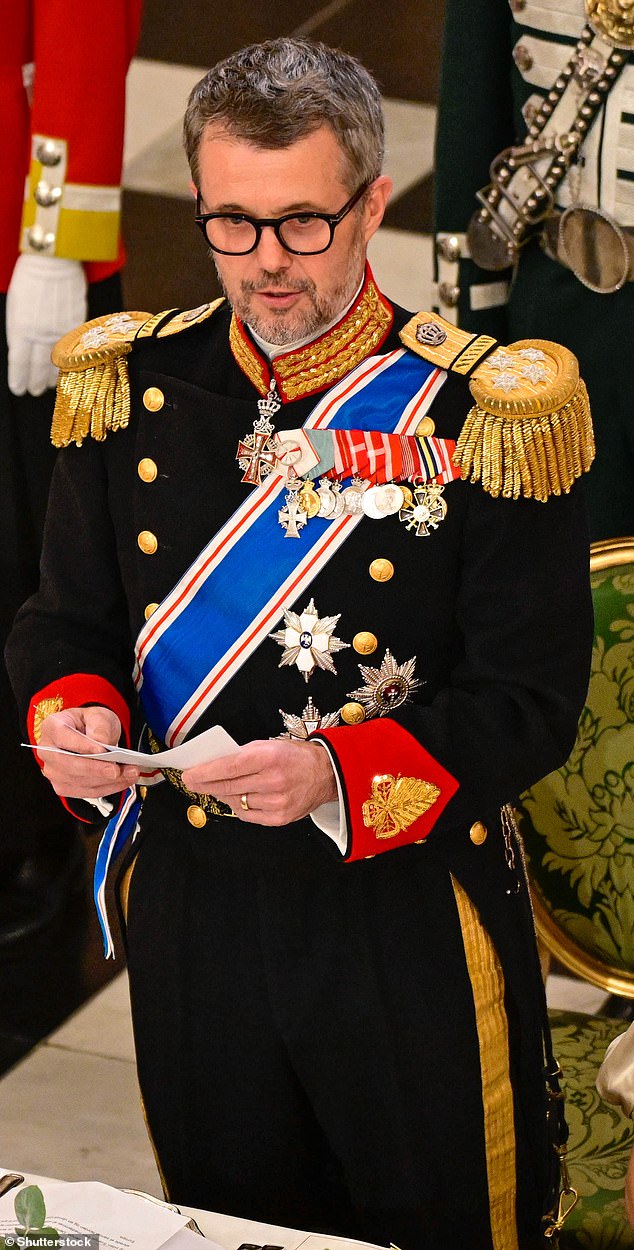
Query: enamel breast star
{"type": "Point", "coordinates": [308, 640]}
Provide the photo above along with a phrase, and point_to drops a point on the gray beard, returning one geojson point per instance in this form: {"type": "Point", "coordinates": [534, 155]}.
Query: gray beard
{"type": "Point", "coordinates": [308, 323]}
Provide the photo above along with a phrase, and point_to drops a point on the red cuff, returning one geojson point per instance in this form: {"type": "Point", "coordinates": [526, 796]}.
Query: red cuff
{"type": "Point", "coordinates": [394, 790]}
{"type": "Point", "coordinates": [78, 690]}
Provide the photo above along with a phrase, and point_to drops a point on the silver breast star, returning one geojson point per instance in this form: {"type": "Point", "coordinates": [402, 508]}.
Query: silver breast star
{"type": "Point", "coordinates": [308, 640]}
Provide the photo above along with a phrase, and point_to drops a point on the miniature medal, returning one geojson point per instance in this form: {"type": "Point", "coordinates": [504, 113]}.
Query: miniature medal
{"type": "Point", "coordinates": [353, 495]}
{"type": "Point", "coordinates": [308, 723]}
{"type": "Point", "coordinates": [386, 687]}
{"type": "Point", "coordinates": [382, 501]}
{"type": "Point", "coordinates": [292, 516]}
{"type": "Point", "coordinates": [309, 500]}
{"type": "Point", "coordinates": [257, 452]}
{"type": "Point", "coordinates": [427, 510]}
{"type": "Point", "coordinates": [308, 640]}
{"type": "Point", "coordinates": [331, 503]}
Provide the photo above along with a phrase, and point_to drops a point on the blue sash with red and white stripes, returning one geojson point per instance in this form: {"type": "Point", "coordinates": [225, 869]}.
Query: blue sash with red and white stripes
{"type": "Point", "coordinates": [238, 587]}
{"type": "Point", "coordinates": [229, 599]}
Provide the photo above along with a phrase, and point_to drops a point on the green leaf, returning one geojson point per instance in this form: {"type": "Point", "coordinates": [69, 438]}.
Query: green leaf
{"type": "Point", "coordinates": [30, 1207]}
{"type": "Point", "coordinates": [51, 1233]}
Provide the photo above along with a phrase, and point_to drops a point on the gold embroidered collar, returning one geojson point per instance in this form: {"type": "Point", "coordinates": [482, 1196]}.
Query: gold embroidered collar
{"type": "Point", "coordinates": [323, 362]}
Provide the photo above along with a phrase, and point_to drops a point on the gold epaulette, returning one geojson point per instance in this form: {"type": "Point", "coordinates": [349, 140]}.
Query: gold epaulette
{"type": "Point", "coordinates": [93, 391]}
{"type": "Point", "coordinates": [530, 430]}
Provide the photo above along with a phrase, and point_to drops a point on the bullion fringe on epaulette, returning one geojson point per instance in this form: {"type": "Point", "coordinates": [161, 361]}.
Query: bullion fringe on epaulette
{"type": "Point", "coordinates": [531, 456]}
{"type": "Point", "coordinates": [93, 401]}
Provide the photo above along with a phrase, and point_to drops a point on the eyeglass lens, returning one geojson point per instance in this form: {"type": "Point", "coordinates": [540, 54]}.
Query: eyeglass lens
{"type": "Point", "coordinates": [299, 234]}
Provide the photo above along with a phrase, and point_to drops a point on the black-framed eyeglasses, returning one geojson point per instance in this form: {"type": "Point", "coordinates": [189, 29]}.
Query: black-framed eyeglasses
{"type": "Point", "coordinates": [303, 234]}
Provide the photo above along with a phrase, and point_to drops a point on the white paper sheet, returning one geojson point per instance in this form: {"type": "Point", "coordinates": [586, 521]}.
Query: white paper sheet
{"type": "Point", "coordinates": [209, 745]}
{"type": "Point", "coordinates": [88, 1208]}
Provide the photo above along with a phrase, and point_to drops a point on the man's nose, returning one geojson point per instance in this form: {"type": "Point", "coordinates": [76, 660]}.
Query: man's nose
{"type": "Point", "coordinates": [272, 254]}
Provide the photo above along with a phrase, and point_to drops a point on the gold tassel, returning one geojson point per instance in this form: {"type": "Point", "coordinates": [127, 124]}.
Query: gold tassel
{"type": "Point", "coordinates": [92, 401]}
{"type": "Point", "coordinates": [534, 455]}
{"type": "Point", "coordinates": [93, 391]}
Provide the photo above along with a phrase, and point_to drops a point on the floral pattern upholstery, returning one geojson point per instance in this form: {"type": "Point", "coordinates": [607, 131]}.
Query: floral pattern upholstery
{"type": "Point", "coordinates": [578, 824]}
{"type": "Point", "coordinates": [601, 1136]}
{"type": "Point", "coordinates": [578, 829]}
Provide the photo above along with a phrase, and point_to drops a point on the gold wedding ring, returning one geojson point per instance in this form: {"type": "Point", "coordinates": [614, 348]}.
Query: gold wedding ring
{"type": "Point", "coordinates": [244, 803]}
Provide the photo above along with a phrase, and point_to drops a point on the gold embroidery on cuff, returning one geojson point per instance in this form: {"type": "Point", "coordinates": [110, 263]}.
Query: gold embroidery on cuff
{"type": "Point", "coordinates": [396, 802]}
{"type": "Point", "coordinates": [45, 708]}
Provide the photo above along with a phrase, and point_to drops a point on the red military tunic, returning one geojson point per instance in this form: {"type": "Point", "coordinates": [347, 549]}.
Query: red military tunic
{"type": "Point", "coordinates": [71, 116]}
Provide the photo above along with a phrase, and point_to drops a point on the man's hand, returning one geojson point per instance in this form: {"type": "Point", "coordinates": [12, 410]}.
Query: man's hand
{"type": "Point", "coordinates": [83, 729]}
{"type": "Point", "coordinates": [46, 298]}
{"type": "Point", "coordinates": [282, 781]}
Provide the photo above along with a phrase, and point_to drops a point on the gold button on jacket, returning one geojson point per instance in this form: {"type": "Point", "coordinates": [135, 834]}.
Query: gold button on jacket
{"type": "Point", "coordinates": [153, 399]}
{"type": "Point", "coordinates": [352, 713]}
{"type": "Point", "coordinates": [147, 469]}
{"type": "Point", "coordinates": [381, 570]}
{"type": "Point", "coordinates": [151, 607]}
{"type": "Point", "coordinates": [425, 427]}
{"type": "Point", "coordinates": [478, 833]}
{"type": "Point", "coordinates": [364, 642]}
{"type": "Point", "coordinates": [196, 816]}
{"type": "Point", "coordinates": [148, 542]}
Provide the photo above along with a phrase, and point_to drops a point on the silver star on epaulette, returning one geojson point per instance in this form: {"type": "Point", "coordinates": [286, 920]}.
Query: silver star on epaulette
{"type": "Point", "coordinates": [501, 360]}
{"type": "Point", "coordinates": [506, 382]}
{"type": "Point", "coordinates": [308, 640]}
{"type": "Point", "coordinates": [308, 723]}
{"type": "Point", "coordinates": [120, 323]}
{"type": "Point", "coordinates": [535, 373]}
{"type": "Point", "coordinates": [531, 353]}
{"type": "Point", "coordinates": [95, 337]}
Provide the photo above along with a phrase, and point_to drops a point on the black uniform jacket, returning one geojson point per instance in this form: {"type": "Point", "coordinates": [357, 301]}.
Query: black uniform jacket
{"type": "Point", "coordinates": [494, 604]}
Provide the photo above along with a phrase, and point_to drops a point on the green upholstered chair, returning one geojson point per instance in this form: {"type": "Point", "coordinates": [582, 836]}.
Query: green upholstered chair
{"type": "Point", "coordinates": [578, 829]}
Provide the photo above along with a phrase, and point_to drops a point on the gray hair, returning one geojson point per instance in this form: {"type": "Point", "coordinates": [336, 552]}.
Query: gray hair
{"type": "Point", "coordinates": [271, 94]}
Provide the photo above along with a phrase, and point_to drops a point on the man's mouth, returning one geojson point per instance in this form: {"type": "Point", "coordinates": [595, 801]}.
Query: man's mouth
{"type": "Point", "coordinates": [278, 297]}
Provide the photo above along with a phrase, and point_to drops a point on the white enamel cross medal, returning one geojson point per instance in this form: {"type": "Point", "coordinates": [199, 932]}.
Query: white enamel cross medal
{"type": "Point", "coordinates": [293, 517]}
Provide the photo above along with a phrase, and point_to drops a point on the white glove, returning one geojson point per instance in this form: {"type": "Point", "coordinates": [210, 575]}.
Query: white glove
{"type": "Point", "coordinates": [47, 296]}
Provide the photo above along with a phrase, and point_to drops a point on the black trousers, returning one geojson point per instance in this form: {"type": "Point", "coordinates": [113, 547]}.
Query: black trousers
{"type": "Point", "coordinates": [31, 816]}
{"type": "Point", "coordinates": [306, 1036]}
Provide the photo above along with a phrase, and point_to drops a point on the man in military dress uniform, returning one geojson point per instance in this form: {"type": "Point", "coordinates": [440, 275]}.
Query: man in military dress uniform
{"type": "Point", "coordinates": [547, 249]}
{"type": "Point", "coordinates": [62, 104]}
{"type": "Point", "coordinates": [337, 1004]}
